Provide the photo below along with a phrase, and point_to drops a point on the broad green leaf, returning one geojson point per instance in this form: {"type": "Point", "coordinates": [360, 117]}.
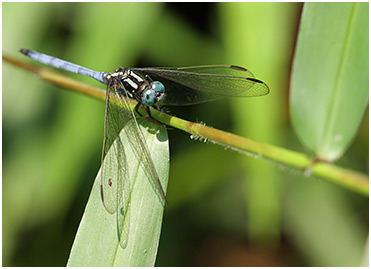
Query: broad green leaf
{"type": "Point", "coordinates": [329, 86]}
{"type": "Point", "coordinates": [97, 241]}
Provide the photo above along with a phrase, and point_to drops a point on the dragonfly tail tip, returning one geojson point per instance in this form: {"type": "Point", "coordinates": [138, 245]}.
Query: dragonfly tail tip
{"type": "Point", "coordinates": [25, 51]}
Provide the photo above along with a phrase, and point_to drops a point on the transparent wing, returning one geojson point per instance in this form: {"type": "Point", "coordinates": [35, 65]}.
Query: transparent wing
{"type": "Point", "coordinates": [192, 85]}
{"type": "Point", "coordinates": [138, 144]}
{"type": "Point", "coordinates": [116, 183]}
{"type": "Point", "coordinates": [114, 167]}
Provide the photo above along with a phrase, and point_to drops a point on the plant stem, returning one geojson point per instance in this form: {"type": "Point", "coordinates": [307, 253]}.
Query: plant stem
{"type": "Point", "coordinates": [349, 179]}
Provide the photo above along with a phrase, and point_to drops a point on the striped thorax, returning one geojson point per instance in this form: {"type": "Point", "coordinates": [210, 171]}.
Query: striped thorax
{"type": "Point", "coordinates": [138, 87]}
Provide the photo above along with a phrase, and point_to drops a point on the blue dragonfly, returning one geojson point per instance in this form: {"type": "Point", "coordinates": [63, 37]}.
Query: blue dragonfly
{"type": "Point", "coordinates": [149, 87]}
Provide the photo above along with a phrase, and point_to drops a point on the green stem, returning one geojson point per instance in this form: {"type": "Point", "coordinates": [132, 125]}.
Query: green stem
{"type": "Point", "coordinates": [349, 179]}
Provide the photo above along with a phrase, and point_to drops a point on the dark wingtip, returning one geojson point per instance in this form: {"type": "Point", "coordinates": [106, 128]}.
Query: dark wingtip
{"type": "Point", "coordinates": [239, 68]}
{"type": "Point", "coordinates": [25, 51]}
{"type": "Point", "coordinates": [255, 80]}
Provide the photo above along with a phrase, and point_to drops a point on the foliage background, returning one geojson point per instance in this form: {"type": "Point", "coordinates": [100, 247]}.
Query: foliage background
{"type": "Point", "coordinates": [224, 209]}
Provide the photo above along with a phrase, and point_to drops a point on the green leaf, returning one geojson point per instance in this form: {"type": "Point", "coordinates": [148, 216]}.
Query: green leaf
{"type": "Point", "coordinates": [329, 86]}
{"type": "Point", "coordinates": [97, 241]}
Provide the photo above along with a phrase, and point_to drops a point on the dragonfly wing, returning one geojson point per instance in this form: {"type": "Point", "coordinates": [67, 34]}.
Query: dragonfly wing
{"type": "Point", "coordinates": [115, 181]}
{"type": "Point", "coordinates": [123, 221]}
{"type": "Point", "coordinates": [114, 167]}
{"type": "Point", "coordinates": [192, 85]}
{"type": "Point", "coordinates": [140, 148]}
{"type": "Point", "coordinates": [116, 184]}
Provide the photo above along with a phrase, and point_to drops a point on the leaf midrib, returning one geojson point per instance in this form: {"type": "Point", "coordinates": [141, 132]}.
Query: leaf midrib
{"type": "Point", "coordinates": [330, 119]}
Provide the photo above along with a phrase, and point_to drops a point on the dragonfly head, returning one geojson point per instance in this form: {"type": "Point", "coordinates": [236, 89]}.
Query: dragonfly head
{"type": "Point", "coordinates": [153, 94]}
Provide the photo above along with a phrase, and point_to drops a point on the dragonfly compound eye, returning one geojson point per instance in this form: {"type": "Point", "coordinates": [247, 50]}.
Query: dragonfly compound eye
{"type": "Point", "coordinates": [153, 94]}
{"type": "Point", "coordinates": [149, 97]}
{"type": "Point", "coordinates": [157, 86]}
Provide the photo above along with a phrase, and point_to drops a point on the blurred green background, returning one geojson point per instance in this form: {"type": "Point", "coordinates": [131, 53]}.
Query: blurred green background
{"type": "Point", "coordinates": [225, 209]}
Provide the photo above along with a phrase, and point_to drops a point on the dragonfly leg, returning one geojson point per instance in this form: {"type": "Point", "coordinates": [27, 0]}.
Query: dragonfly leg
{"type": "Point", "coordinates": [136, 109]}
{"type": "Point", "coordinates": [163, 111]}
{"type": "Point", "coordinates": [150, 116]}
{"type": "Point", "coordinates": [148, 112]}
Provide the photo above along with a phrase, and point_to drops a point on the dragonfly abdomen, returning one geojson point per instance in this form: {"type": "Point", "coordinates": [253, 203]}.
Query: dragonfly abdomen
{"type": "Point", "coordinates": [64, 65]}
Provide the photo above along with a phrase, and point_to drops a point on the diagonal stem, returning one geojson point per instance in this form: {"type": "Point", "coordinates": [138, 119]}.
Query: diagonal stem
{"type": "Point", "coordinates": [349, 179]}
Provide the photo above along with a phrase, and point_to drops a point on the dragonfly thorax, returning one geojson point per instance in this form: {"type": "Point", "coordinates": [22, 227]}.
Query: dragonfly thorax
{"type": "Point", "coordinates": [138, 87]}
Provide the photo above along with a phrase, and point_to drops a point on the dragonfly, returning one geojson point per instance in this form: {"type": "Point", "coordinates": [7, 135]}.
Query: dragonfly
{"type": "Point", "coordinates": [151, 88]}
